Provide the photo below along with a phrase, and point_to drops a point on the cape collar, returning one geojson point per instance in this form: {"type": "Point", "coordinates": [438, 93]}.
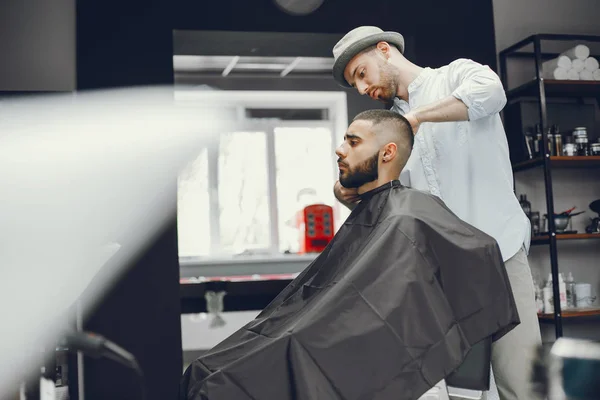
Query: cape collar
{"type": "Point", "coordinates": [391, 184]}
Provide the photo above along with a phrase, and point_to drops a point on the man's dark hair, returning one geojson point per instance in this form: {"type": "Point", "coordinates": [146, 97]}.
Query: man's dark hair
{"type": "Point", "coordinates": [393, 120]}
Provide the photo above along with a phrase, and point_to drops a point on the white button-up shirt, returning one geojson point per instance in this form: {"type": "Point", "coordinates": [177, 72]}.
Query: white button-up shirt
{"type": "Point", "coordinates": [467, 163]}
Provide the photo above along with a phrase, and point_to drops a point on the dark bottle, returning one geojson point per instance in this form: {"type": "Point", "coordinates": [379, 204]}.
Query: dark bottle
{"type": "Point", "coordinates": [551, 145]}
{"type": "Point", "coordinates": [537, 143]}
{"type": "Point", "coordinates": [525, 205]}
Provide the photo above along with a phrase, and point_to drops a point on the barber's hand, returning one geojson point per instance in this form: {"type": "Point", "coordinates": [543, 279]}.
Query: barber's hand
{"type": "Point", "coordinates": [348, 197]}
{"type": "Point", "coordinates": [414, 121]}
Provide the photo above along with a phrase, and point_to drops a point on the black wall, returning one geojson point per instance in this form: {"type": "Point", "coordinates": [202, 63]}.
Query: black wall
{"type": "Point", "coordinates": [129, 43]}
{"type": "Point", "coordinates": [124, 43]}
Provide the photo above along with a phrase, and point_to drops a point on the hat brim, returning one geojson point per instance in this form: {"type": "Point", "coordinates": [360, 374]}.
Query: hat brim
{"type": "Point", "coordinates": [351, 51]}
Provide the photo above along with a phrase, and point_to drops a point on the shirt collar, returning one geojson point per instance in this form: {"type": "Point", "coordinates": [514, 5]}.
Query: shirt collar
{"type": "Point", "coordinates": [414, 85]}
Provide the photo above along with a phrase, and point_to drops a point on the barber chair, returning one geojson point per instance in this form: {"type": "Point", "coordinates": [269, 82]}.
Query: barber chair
{"type": "Point", "coordinates": [470, 379]}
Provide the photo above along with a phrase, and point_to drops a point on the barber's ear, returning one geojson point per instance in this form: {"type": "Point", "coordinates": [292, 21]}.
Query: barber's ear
{"type": "Point", "coordinates": [384, 47]}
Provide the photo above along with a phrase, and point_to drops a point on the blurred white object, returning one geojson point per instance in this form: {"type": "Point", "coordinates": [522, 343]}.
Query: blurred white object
{"type": "Point", "coordinates": [580, 51]}
{"type": "Point", "coordinates": [81, 171]}
{"type": "Point", "coordinates": [596, 75]}
{"type": "Point", "coordinates": [571, 370]}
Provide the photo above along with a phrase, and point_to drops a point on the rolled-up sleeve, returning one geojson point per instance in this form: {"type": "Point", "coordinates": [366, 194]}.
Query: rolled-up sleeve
{"type": "Point", "coordinates": [478, 87]}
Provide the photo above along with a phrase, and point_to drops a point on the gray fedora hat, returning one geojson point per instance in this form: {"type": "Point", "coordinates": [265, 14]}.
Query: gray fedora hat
{"type": "Point", "coordinates": [356, 41]}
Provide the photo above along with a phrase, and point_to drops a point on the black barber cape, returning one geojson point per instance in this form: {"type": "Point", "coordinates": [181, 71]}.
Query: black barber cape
{"type": "Point", "coordinates": [387, 310]}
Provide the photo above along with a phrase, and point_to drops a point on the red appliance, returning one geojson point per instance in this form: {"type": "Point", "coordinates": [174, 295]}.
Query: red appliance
{"type": "Point", "coordinates": [316, 228]}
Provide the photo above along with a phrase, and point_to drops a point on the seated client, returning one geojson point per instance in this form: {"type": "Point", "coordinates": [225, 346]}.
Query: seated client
{"type": "Point", "coordinates": [391, 307]}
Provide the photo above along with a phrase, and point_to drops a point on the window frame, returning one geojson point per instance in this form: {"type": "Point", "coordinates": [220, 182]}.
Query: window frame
{"type": "Point", "coordinates": [335, 102]}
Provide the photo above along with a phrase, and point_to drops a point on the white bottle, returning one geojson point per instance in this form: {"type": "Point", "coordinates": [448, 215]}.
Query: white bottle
{"type": "Point", "coordinates": [548, 296]}
{"type": "Point", "coordinates": [562, 289]}
{"type": "Point", "coordinates": [539, 298]}
{"type": "Point", "coordinates": [548, 301]}
{"type": "Point", "coordinates": [570, 283]}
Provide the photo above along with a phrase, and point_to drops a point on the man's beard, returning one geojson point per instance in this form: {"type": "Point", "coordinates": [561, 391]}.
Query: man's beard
{"type": "Point", "coordinates": [387, 85]}
{"type": "Point", "coordinates": [365, 172]}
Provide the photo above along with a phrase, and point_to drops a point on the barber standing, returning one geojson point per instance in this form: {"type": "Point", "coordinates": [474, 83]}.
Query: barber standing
{"type": "Point", "coordinates": [460, 155]}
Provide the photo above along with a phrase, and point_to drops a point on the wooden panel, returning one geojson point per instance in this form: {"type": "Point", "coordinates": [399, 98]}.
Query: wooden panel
{"type": "Point", "coordinates": [561, 162]}
{"type": "Point", "coordinates": [573, 314]}
{"type": "Point", "coordinates": [572, 236]}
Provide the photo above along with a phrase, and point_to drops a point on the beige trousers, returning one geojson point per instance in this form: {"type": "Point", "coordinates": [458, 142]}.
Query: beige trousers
{"type": "Point", "coordinates": [512, 356]}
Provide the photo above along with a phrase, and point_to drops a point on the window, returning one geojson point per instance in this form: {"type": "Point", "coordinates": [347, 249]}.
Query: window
{"type": "Point", "coordinates": [305, 173]}
{"type": "Point", "coordinates": [241, 195]}
{"type": "Point", "coordinates": [243, 192]}
{"type": "Point", "coordinates": [192, 208]}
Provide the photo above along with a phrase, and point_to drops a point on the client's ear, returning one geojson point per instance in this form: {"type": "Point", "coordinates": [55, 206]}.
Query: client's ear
{"type": "Point", "coordinates": [389, 152]}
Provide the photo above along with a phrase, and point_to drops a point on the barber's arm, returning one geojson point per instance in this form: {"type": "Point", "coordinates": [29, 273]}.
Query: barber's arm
{"type": "Point", "coordinates": [478, 94]}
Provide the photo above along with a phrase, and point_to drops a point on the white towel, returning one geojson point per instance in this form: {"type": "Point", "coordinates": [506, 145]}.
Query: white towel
{"type": "Point", "coordinates": [558, 62]}
{"type": "Point", "coordinates": [591, 64]}
{"type": "Point", "coordinates": [578, 65]}
{"type": "Point", "coordinates": [581, 51]}
{"type": "Point", "coordinates": [572, 75]}
{"type": "Point", "coordinates": [558, 74]}
{"type": "Point", "coordinates": [596, 75]}
{"type": "Point", "coordinates": [556, 68]}
{"type": "Point", "coordinates": [586, 75]}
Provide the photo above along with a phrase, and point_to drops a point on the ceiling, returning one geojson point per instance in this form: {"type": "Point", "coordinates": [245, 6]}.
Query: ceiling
{"type": "Point", "coordinates": [218, 54]}
{"type": "Point", "coordinates": [263, 66]}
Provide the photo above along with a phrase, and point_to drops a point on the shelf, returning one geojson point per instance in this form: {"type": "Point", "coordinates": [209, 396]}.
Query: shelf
{"type": "Point", "coordinates": [524, 165]}
{"type": "Point", "coordinates": [538, 240]}
{"type": "Point", "coordinates": [242, 293]}
{"type": "Point", "coordinates": [560, 162]}
{"type": "Point", "coordinates": [554, 88]}
{"type": "Point", "coordinates": [592, 312]}
{"type": "Point", "coordinates": [530, 40]}
{"type": "Point", "coordinates": [530, 55]}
